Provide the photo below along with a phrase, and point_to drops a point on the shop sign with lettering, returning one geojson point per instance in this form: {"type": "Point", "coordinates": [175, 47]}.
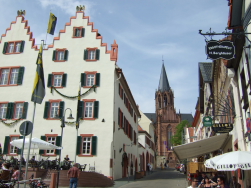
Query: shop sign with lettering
{"type": "Point", "coordinates": [207, 121]}
{"type": "Point", "coordinates": [220, 49]}
{"type": "Point", "coordinates": [222, 127]}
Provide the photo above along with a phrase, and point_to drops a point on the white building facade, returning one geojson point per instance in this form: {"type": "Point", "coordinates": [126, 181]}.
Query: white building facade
{"type": "Point", "coordinates": [108, 127]}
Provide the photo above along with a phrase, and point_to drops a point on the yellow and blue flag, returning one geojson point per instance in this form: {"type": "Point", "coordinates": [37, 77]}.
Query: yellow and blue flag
{"type": "Point", "coordinates": [52, 24]}
{"type": "Point", "coordinates": [38, 92]}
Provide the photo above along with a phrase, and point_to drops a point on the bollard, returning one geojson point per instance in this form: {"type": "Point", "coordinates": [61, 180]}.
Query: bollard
{"type": "Point", "coordinates": [53, 180]}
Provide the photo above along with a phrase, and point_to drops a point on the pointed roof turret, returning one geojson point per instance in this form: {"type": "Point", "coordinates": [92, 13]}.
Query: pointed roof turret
{"type": "Point", "coordinates": [163, 81]}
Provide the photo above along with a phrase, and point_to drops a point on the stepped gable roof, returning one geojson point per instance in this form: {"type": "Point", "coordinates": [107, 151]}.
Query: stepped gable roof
{"type": "Point", "coordinates": [205, 69]}
{"type": "Point", "coordinates": [188, 117]}
{"type": "Point", "coordinates": [98, 36]}
{"type": "Point", "coordinates": [25, 27]}
{"type": "Point", "coordinates": [163, 81]}
{"type": "Point", "coordinates": [151, 116]}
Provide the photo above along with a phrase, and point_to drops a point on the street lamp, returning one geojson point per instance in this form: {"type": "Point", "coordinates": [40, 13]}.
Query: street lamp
{"type": "Point", "coordinates": [62, 131]}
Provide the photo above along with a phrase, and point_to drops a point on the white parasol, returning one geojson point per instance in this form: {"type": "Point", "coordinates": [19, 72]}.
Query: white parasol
{"type": "Point", "coordinates": [232, 161]}
{"type": "Point", "coordinates": [35, 144]}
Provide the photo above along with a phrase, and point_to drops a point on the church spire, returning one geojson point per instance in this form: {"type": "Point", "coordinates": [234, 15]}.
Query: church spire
{"type": "Point", "coordinates": [163, 81]}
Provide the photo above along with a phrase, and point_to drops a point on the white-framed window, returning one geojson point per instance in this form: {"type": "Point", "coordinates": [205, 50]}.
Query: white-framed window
{"type": "Point", "coordinates": [3, 110]}
{"type": "Point", "coordinates": [90, 79]}
{"type": "Point", "coordinates": [86, 149]}
{"type": "Point", "coordinates": [19, 110]}
{"type": "Point", "coordinates": [88, 109]}
{"type": "Point", "coordinates": [57, 80]}
{"type": "Point", "coordinates": [14, 47]}
{"type": "Point", "coordinates": [91, 54]}
{"type": "Point", "coordinates": [13, 149]}
{"type": "Point", "coordinates": [52, 140]}
{"type": "Point", "coordinates": [9, 76]}
{"type": "Point", "coordinates": [54, 109]}
{"type": "Point", "coordinates": [60, 55]}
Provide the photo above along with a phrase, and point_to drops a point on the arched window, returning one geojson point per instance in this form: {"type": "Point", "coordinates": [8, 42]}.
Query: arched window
{"type": "Point", "coordinates": [159, 101]}
{"type": "Point", "coordinates": [165, 100]}
{"type": "Point", "coordinates": [169, 137]}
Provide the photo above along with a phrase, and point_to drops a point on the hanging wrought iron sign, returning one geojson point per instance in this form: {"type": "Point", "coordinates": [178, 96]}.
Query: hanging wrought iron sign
{"type": "Point", "coordinates": [220, 49]}
{"type": "Point", "coordinates": [222, 127]}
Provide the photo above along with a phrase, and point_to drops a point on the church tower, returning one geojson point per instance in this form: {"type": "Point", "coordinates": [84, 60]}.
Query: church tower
{"type": "Point", "coordinates": [167, 120]}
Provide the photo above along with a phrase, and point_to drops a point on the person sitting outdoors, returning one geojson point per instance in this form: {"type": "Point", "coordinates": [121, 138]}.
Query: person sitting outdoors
{"type": "Point", "coordinates": [16, 173]}
{"type": "Point", "coordinates": [205, 183]}
{"type": "Point", "coordinates": [6, 172]}
{"type": "Point", "coordinates": [221, 182]}
{"type": "Point", "coordinates": [66, 158]}
{"type": "Point", "coordinates": [194, 183]}
{"type": "Point", "coordinates": [234, 183]}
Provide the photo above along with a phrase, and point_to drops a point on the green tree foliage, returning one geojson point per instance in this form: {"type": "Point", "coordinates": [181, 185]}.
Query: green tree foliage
{"type": "Point", "coordinates": [177, 138]}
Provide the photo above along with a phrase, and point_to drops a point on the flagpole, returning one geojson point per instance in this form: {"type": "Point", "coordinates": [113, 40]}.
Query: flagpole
{"type": "Point", "coordinates": [77, 120]}
{"type": "Point", "coordinates": [33, 118]}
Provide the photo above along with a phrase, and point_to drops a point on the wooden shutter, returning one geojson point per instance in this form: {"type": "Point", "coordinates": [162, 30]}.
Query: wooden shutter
{"type": "Point", "coordinates": [83, 77]}
{"type": "Point", "coordinates": [61, 109]}
{"type": "Point", "coordinates": [96, 107]}
{"type": "Point", "coordinates": [25, 109]}
{"type": "Point", "coordinates": [41, 152]}
{"type": "Point", "coordinates": [94, 145]}
{"type": "Point", "coordinates": [49, 81]}
{"type": "Point", "coordinates": [66, 52]}
{"type": "Point", "coordinates": [83, 32]}
{"type": "Point", "coordinates": [85, 54]}
{"type": "Point", "coordinates": [97, 54]}
{"type": "Point", "coordinates": [19, 151]}
{"type": "Point", "coordinates": [10, 110]}
{"type": "Point", "coordinates": [6, 145]}
{"type": "Point", "coordinates": [20, 76]}
{"type": "Point", "coordinates": [22, 46]}
{"type": "Point", "coordinates": [97, 79]}
{"type": "Point", "coordinates": [46, 109]}
{"type": "Point", "coordinates": [54, 55]}
{"type": "Point", "coordinates": [119, 117]}
{"type": "Point", "coordinates": [5, 47]}
{"type": "Point", "coordinates": [119, 90]}
{"type": "Point", "coordinates": [64, 80]}
{"type": "Point", "coordinates": [58, 143]}
{"type": "Point", "coordinates": [81, 109]}
{"type": "Point", "coordinates": [79, 145]}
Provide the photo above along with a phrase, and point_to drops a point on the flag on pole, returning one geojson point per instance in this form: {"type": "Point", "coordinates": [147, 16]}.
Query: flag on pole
{"type": "Point", "coordinates": [79, 111]}
{"type": "Point", "coordinates": [52, 24]}
{"type": "Point", "coordinates": [38, 92]}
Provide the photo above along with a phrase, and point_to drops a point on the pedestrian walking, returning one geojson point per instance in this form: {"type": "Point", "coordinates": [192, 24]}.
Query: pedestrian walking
{"type": "Point", "coordinates": [73, 175]}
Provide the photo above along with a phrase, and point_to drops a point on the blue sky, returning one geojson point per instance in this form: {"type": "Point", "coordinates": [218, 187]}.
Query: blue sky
{"type": "Point", "coordinates": [146, 31]}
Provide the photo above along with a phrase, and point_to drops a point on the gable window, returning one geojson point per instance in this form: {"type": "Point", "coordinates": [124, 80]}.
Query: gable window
{"type": "Point", "coordinates": [53, 109]}
{"type": "Point", "coordinates": [11, 76]}
{"type": "Point", "coordinates": [57, 79]}
{"type": "Point", "coordinates": [88, 79]}
{"type": "Point", "coordinates": [78, 32]}
{"type": "Point", "coordinates": [14, 47]}
{"type": "Point", "coordinates": [60, 55]}
{"type": "Point", "coordinates": [86, 145]}
{"type": "Point", "coordinates": [91, 54]}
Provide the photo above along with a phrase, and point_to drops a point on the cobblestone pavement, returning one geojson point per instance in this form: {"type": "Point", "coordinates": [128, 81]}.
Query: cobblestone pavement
{"type": "Point", "coordinates": [168, 178]}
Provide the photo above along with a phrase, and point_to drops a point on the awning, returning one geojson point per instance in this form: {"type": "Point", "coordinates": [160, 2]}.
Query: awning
{"type": "Point", "coordinates": [201, 147]}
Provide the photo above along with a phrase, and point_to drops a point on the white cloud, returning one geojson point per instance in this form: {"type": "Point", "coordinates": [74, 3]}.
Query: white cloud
{"type": "Point", "coordinates": [68, 6]}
